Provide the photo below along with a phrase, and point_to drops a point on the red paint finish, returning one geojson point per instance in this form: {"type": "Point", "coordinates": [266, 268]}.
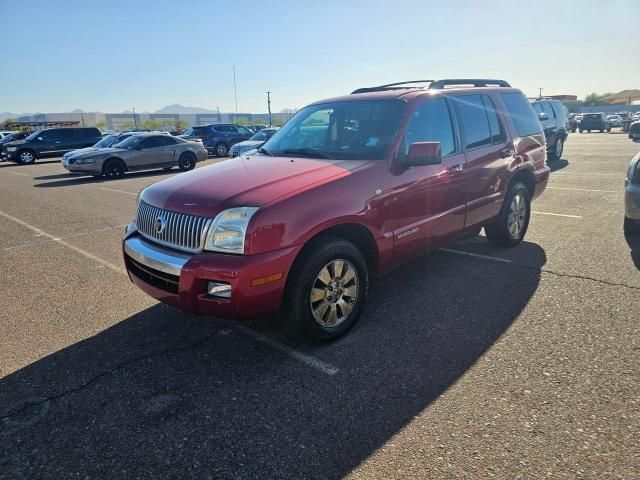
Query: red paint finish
{"type": "Point", "coordinates": [401, 211]}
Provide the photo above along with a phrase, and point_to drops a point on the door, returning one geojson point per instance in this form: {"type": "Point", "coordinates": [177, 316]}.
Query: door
{"type": "Point", "coordinates": [150, 152]}
{"type": "Point", "coordinates": [238, 134]}
{"type": "Point", "coordinates": [49, 142]}
{"type": "Point", "coordinates": [428, 200]}
{"type": "Point", "coordinates": [488, 155]}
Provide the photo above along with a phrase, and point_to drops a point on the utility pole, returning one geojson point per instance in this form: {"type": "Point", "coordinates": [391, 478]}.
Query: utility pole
{"type": "Point", "coordinates": [269, 106]}
{"type": "Point", "coordinates": [219, 118]}
{"type": "Point", "coordinates": [235, 91]}
{"type": "Point", "coordinates": [540, 92]}
{"type": "Point", "coordinates": [135, 121]}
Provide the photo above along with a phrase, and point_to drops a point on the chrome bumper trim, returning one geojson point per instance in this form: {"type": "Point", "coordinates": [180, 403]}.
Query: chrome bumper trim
{"type": "Point", "coordinates": [155, 256]}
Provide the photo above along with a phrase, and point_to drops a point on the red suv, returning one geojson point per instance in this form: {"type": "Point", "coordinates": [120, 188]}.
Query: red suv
{"type": "Point", "coordinates": [349, 186]}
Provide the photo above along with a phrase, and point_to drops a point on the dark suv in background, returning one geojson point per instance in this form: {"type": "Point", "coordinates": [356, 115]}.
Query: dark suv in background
{"type": "Point", "coordinates": [219, 138]}
{"type": "Point", "coordinates": [594, 121]}
{"type": "Point", "coordinates": [51, 142]}
{"type": "Point", "coordinates": [554, 118]}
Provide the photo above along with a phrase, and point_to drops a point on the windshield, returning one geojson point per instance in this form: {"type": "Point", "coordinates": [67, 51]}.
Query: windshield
{"type": "Point", "coordinates": [263, 135]}
{"type": "Point", "coordinates": [129, 143]}
{"type": "Point", "coordinates": [33, 135]}
{"type": "Point", "coordinates": [106, 142]}
{"type": "Point", "coordinates": [351, 130]}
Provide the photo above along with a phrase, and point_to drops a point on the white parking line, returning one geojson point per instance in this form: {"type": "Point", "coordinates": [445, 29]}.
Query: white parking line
{"type": "Point", "coordinates": [476, 255]}
{"type": "Point", "coordinates": [18, 173]}
{"type": "Point", "coordinates": [557, 214]}
{"type": "Point", "coordinates": [74, 235]}
{"type": "Point", "coordinates": [301, 357]}
{"type": "Point", "coordinates": [593, 174]}
{"type": "Point", "coordinates": [119, 191]}
{"type": "Point", "coordinates": [584, 190]}
{"type": "Point", "coordinates": [84, 253]}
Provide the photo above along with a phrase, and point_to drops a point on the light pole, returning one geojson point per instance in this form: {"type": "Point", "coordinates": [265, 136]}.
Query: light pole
{"type": "Point", "coordinates": [269, 106]}
{"type": "Point", "coordinates": [135, 121]}
{"type": "Point", "coordinates": [235, 92]}
{"type": "Point", "coordinates": [540, 92]}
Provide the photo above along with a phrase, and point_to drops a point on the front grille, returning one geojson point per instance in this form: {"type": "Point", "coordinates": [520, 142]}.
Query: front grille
{"type": "Point", "coordinates": [158, 279]}
{"type": "Point", "coordinates": [180, 231]}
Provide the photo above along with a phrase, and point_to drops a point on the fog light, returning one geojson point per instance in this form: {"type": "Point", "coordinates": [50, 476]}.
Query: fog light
{"type": "Point", "coordinates": [219, 289]}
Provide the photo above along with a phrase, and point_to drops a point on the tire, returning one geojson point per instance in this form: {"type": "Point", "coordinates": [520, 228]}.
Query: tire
{"type": "Point", "coordinates": [26, 157]}
{"type": "Point", "coordinates": [502, 231]}
{"type": "Point", "coordinates": [555, 153]}
{"type": "Point", "coordinates": [114, 169]}
{"type": "Point", "coordinates": [601, 131]}
{"type": "Point", "coordinates": [343, 293]}
{"type": "Point", "coordinates": [222, 149]}
{"type": "Point", "coordinates": [581, 130]}
{"type": "Point", "coordinates": [631, 227]}
{"type": "Point", "coordinates": [187, 162]}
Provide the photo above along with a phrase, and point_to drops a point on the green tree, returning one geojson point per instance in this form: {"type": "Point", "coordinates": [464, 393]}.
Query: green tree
{"type": "Point", "coordinates": [127, 125]}
{"type": "Point", "coordinates": [594, 99]}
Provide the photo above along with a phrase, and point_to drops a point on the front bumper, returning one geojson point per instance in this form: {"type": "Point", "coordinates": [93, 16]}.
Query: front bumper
{"type": "Point", "coordinates": [181, 279]}
{"type": "Point", "coordinates": [92, 168]}
{"type": "Point", "coordinates": [9, 156]}
{"type": "Point", "coordinates": [632, 200]}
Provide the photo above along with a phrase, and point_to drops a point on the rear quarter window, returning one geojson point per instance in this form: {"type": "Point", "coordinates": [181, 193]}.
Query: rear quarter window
{"type": "Point", "coordinates": [522, 114]}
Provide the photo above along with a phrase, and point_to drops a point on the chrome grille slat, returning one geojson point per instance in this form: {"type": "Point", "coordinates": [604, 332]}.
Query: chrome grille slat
{"type": "Point", "coordinates": [182, 231]}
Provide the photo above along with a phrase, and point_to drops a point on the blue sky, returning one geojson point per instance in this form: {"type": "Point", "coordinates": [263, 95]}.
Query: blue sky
{"type": "Point", "coordinates": [114, 55]}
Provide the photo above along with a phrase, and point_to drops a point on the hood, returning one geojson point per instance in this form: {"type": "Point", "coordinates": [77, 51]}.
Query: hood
{"type": "Point", "coordinates": [251, 181]}
{"type": "Point", "coordinates": [15, 143]}
{"type": "Point", "coordinates": [248, 144]}
{"type": "Point", "coordinates": [79, 152]}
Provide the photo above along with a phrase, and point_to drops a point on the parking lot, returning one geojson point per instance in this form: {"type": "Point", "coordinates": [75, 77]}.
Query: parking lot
{"type": "Point", "coordinates": [470, 362]}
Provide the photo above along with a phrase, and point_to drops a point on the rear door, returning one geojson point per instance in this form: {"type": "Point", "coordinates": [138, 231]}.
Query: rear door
{"type": "Point", "coordinates": [66, 140]}
{"type": "Point", "coordinates": [428, 200]}
{"type": "Point", "coordinates": [488, 154]}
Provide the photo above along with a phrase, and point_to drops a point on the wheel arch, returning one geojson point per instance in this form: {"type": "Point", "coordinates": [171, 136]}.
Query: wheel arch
{"type": "Point", "coordinates": [525, 176]}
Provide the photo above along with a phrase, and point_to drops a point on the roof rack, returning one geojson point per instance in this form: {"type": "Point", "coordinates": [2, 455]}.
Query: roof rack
{"type": "Point", "coordinates": [476, 82]}
{"type": "Point", "coordinates": [435, 84]}
{"type": "Point", "coordinates": [390, 86]}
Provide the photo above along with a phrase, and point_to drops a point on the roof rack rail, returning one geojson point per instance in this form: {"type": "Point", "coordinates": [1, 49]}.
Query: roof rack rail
{"type": "Point", "coordinates": [390, 86]}
{"type": "Point", "coordinates": [476, 82]}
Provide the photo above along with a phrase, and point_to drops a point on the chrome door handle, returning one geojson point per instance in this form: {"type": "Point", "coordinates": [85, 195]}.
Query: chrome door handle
{"type": "Point", "coordinates": [459, 167]}
{"type": "Point", "coordinates": [507, 152]}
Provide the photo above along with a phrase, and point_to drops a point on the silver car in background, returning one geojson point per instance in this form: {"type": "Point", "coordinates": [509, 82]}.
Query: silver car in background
{"type": "Point", "coordinates": [632, 197]}
{"type": "Point", "coordinates": [256, 141]}
{"type": "Point", "coordinates": [142, 151]}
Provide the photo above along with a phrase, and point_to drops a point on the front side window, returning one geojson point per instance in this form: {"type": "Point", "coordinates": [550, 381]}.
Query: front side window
{"type": "Point", "coordinates": [262, 135]}
{"type": "Point", "coordinates": [522, 113]}
{"type": "Point", "coordinates": [475, 124]}
{"type": "Point", "coordinates": [243, 131]}
{"type": "Point", "coordinates": [350, 130]}
{"type": "Point", "coordinates": [431, 122]}
{"type": "Point", "coordinates": [130, 142]}
{"type": "Point", "coordinates": [107, 141]}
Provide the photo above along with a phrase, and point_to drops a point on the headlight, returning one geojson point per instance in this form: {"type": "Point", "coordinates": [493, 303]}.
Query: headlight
{"type": "Point", "coordinates": [228, 229]}
{"type": "Point", "coordinates": [11, 149]}
{"type": "Point", "coordinates": [82, 161]}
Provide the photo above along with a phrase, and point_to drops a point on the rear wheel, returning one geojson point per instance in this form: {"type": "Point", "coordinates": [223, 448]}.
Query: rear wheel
{"type": "Point", "coordinates": [113, 169]}
{"type": "Point", "coordinates": [187, 162]}
{"type": "Point", "coordinates": [555, 153]}
{"type": "Point", "coordinates": [327, 287]}
{"type": "Point", "coordinates": [26, 157]}
{"type": "Point", "coordinates": [509, 228]}
{"type": "Point", "coordinates": [222, 149]}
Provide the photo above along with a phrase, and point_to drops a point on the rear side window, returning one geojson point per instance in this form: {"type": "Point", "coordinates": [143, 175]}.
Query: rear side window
{"type": "Point", "coordinates": [89, 133]}
{"type": "Point", "coordinates": [168, 140]}
{"type": "Point", "coordinates": [538, 107]}
{"type": "Point", "coordinates": [548, 110]}
{"type": "Point", "coordinates": [431, 122]}
{"type": "Point", "coordinates": [66, 134]}
{"type": "Point", "coordinates": [475, 123]}
{"type": "Point", "coordinates": [522, 113]}
{"type": "Point", "coordinates": [497, 132]}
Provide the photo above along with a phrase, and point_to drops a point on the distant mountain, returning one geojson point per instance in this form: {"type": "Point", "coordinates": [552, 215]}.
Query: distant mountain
{"type": "Point", "coordinates": [77, 110]}
{"type": "Point", "coordinates": [5, 115]}
{"type": "Point", "coordinates": [177, 108]}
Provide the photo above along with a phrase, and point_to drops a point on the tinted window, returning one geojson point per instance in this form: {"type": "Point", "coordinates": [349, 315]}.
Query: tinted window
{"type": "Point", "coordinates": [474, 121]}
{"type": "Point", "coordinates": [538, 107]}
{"type": "Point", "coordinates": [497, 132]}
{"type": "Point", "coordinates": [522, 113]}
{"type": "Point", "coordinates": [167, 140]}
{"type": "Point", "coordinates": [153, 142]}
{"type": "Point", "coordinates": [89, 132]}
{"type": "Point", "coordinates": [66, 134]}
{"type": "Point", "coordinates": [548, 110]}
{"type": "Point", "coordinates": [243, 131]}
{"type": "Point", "coordinates": [221, 129]}
{"type": "Point", "coordinates": [431, 122]}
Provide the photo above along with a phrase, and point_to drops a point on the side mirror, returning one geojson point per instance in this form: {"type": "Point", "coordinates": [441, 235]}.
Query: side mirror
{"type": "Point", "coordinates": [423, 153]}
{"type": "Point", "coordinates": [543, 116]}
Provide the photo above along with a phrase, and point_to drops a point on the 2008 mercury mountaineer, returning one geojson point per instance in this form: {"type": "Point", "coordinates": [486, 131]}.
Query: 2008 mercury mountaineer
{"type": "Point", "coordinates": [349, 186]}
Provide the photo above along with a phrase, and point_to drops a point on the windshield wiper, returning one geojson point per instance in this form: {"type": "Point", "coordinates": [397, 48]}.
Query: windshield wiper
{"type": "Point", "coordinates": [309, 152]}
{"type": "Point", "coordinates": [265, 151]}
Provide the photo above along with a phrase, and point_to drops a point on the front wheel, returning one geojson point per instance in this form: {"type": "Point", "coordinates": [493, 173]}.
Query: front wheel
{"type": "Point", "coordinates": [25, 157]}
{"type": "Point", "coordinates": [509, 228]}
{"type": "Point", "coordinates": [113, 169]}
{"type": "Point", "coordinates": [555, 153]}
{"type": "Point", "coordinates": [327, 288]}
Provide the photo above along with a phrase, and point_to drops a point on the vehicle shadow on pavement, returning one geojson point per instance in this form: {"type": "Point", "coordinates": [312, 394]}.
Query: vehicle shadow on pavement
{"type": "Point", "coordinates": [556, 165]}
{"type": "Point", "coordinates": [70, 179]}
{"type": "Point", "coordinates": [163, 394]}
{"type": "Point", "coordinates": [634, 244]}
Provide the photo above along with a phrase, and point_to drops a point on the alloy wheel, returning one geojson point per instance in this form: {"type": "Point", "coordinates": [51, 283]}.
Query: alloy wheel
{"type": "Point", "coordinates": [26, 157]}
{"type": "Point", "coordinates": [516, 216]}
{"type": "Point", "coordinates": [334, 293]}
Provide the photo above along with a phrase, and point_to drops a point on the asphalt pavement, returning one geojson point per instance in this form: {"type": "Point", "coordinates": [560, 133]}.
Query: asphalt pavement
{"type": "Point", "coordinates": [469, 362]}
